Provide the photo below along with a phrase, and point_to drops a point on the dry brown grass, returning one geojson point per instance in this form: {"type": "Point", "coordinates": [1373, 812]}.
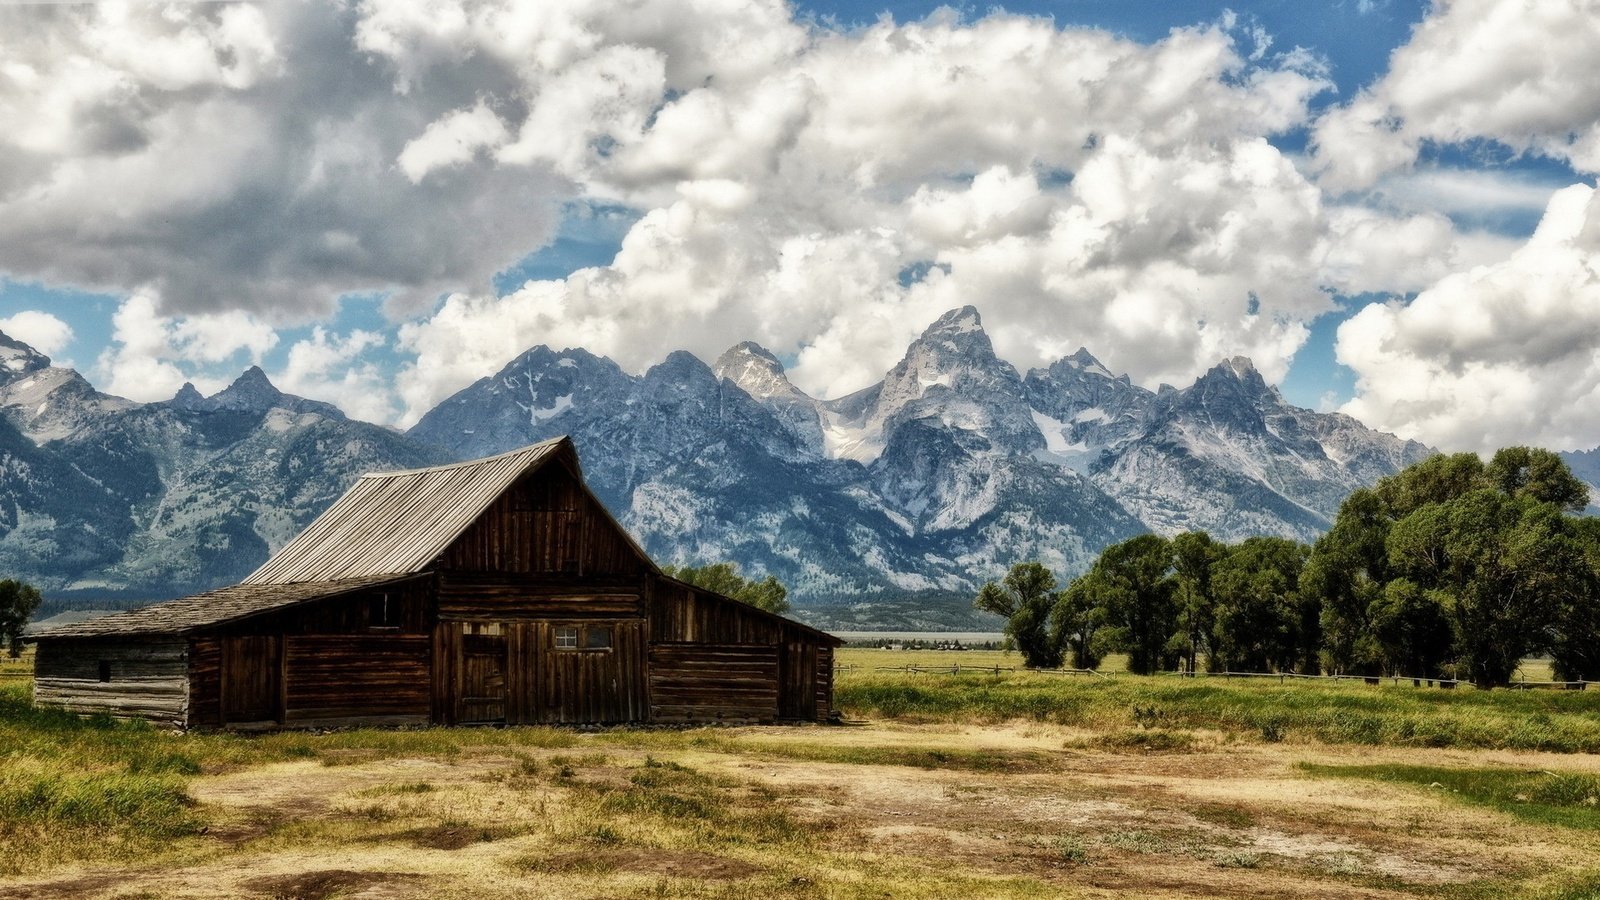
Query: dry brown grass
{"type": "Point", "coordinates": [798, 812]}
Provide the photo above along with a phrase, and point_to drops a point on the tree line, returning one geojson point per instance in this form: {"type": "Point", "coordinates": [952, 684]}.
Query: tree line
{"type": "Point", "coordinates": [1452, 568]}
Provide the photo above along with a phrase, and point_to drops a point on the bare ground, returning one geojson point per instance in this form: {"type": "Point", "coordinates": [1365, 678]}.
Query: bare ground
{"type": "Point", "coordinates": [1238, 820]}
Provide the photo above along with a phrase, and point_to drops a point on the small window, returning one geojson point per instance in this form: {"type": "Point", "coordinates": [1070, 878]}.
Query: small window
{"type": "Point", "coordinates": [566, 637]}
{"type": "Point", "coordinates": [105, 670]}
{"type": "Point", "coordinates": [383, 611]}
{"type": "Point", "coordinates": [597, 639]}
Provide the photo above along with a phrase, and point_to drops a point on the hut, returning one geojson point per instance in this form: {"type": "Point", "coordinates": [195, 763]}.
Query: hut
{"type": "Point", "coordinates": [496, 591]}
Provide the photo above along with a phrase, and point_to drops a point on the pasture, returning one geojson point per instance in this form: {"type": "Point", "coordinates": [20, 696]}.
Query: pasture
{"type": "Point", "coordinates": [970, 785]}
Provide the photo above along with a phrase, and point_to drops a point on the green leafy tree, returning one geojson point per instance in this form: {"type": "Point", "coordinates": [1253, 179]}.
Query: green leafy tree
{"type": "Point", "coordinates": [1133, 586]}
{"type": "Point", "coordinates": [1194, 553]}
{"type": "Point", "coordinates": [1075, 621]}
{"type": "Point", "coordinates": [724, 578]}
{"type": "Point", "coordinates": [1574, 640]}
{"type": "Point", "coordinates": [1346, 573]}
{"type": "Point", "coordinates": [1487, 549]}
{"type": "Point", "coordinates": [1261, 624]}
{"type": "Point", "coordinates": [1411, 630]}
{"type": "Point", "coordinates": [1025, 598]}
{"type": "Point", "coordinates": [18, 602]}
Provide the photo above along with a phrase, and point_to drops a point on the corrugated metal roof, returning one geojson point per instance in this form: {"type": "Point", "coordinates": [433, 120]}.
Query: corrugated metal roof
{"type": "Point", "coordinates": [211, 608]}
{"type": "Point", "coordinates": [398, 522]}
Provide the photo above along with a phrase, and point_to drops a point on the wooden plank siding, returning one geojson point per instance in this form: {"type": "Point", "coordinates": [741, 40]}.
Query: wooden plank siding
{"type": "Point", "coordinates": [148, 679]}
{"type": "Point", "coordinates": [539, 683]}
{"type": "Point", "coordinates": [368, 679]}
{"type": "Point", "coordinates": [546, 524]}
{"type": "Point", "coordinates": [699, 682]}
{"type": "Point", "coordinates": [681, 613]}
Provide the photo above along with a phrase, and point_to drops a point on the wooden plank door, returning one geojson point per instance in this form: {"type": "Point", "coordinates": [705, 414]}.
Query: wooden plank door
{"type": "Point", "coordinates": [483, 679]}
{"type": "Point", "coordinates": [252, 679]}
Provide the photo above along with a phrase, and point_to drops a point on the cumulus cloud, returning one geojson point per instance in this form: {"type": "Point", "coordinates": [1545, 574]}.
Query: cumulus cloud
{"type": "Point", "coordinates": [332, 367]}
{"type": "Point", "coordinates": [244, 156]}
{"type": "Point", "coordinates": [1509, 71]}
{"type": "Point", "coordinates": [39, 330]}
{"type": "Point", "coordinates": [827, 192]}
{"type": "Point", "coordinates": [1497, 355]}
{"type": "Point", "coordinates": [152, 355]}
{"type": "Point", "coordinates": [1079, 187]}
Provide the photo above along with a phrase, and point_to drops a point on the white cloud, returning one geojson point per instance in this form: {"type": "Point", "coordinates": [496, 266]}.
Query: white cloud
{"type": "Point", "coordinates": [453, 140]}
{"type": "Point", "coordinates": [152, 355]}
{"type": "Point", "coordinates": [249, 163]}
{"type": "Point", "coordinates": [246, 156]}
{"type": "Point", "coordinates": [1079, 187]}
{"type": "Point", "coordinates": [1510, 71]}
{"type": "Point", "coordinates": [330, 367]}
{"type": "Point", "coordinates": [39, 330]}
{"type": "Point", "coordinates": [1500, 354]}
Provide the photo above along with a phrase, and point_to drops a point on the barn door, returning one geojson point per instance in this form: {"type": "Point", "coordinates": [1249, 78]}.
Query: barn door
{"type": "Point", "coordinates": [252, 679]}
{"type": "Point", "coordinates": [483, 679]}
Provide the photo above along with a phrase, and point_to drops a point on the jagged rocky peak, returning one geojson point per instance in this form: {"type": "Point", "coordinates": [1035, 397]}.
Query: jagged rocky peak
{"type": "Point", "coordinates": [755, 370]}
{"type": "Point", "coordinates": [251, 392]}
{"type": "Point", "coordinates": [1085, 361]}
{"type": "Point", "coordinates": [187, 397]}
{"type": "Point", "coordinates": [17, 358]}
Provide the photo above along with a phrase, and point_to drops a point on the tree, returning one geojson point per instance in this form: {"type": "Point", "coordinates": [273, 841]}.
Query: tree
{"type": "Point", "coordinates": [1194, 553]}
{"type": "Point", "coordinates": [1132, 583]}
{"type": "Point", "coordinates": [1075, 621]}
{"type": "Point", "coordinates": [18, 602]}
{"type": "Point", "coordinates": [1574, 639]}
{"type": "Point", "coordinates": [1479, 566]}
{"type": "Point", "coordinates": [1025, 597]}
{"type": "Point", "coordinates": [1261, 623]}
{"type": "Point", "coordinates": [724, 578]}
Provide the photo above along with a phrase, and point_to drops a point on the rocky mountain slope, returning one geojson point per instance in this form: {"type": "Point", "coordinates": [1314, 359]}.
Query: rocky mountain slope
{"type": "Point", "coordinates": [913, 490]}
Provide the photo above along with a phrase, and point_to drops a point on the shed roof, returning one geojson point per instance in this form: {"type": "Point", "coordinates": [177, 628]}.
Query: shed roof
{"type": "Point", "coordinates": [186, 614]}
{"type": "Point", "coordinates": [398, 522]}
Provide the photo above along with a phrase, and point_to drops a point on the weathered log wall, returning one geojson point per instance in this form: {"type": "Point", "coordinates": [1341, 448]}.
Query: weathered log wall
{"type": "Point", "coordinates": [546, 524]}
{"type": "Point", "coordinates": [682, 614]}
{"type": "Point", "coordinates": [696, 682]}
{"type": "Point", "coordinates": [141, 678]}
{"type": "Point", "coordinates": [514, 672]}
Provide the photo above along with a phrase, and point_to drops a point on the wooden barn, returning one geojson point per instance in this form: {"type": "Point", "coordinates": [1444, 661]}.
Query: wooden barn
{"type": "Point", "coordinates": [498, 591]}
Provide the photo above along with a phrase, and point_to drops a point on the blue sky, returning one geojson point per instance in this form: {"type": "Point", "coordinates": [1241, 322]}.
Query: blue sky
{"type": "Point", "coordinates": [379, 208]}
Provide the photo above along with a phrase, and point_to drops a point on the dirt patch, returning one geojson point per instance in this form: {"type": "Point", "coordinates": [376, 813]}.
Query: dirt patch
{"type": "Point", "coordinates": [64, 889]}
{"type": "Point", "coordinates": [667, 863]}
{"type": "Point", "coordinates": [319, 885]}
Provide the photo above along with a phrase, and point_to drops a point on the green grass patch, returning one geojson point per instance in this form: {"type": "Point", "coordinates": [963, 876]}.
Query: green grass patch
{"type": "Point", "coordinates": [1335, 713]}
{"type": "Point", "coordinates": [1566, 799]}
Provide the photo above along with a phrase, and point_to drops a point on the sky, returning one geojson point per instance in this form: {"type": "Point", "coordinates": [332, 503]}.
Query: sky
{"type": "Point", "coordinates": [1388, 205]}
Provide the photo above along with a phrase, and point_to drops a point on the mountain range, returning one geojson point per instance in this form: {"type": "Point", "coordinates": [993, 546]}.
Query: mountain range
{"type": "Point", "coordinates": [885, 507]}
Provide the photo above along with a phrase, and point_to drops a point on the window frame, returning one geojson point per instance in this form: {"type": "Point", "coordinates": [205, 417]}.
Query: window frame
{"type": "Point", "coordinates": [575, 638]}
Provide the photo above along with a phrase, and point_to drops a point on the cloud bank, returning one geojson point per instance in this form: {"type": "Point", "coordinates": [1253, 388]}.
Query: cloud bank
{"type": "Point", "coordinates": [232, 169]}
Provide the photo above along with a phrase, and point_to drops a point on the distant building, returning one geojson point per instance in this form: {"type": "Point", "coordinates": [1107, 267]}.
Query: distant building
{"type": "Point", "coordinates": [498, 591]}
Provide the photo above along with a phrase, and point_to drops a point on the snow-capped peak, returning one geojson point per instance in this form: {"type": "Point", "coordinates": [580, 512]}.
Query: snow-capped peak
{"type": "Point", "coordinates": [756, 371]}
{"type": "Point", "coordinates": [17, 358]}
{"type": "Point", "coordinates": [957, 321]}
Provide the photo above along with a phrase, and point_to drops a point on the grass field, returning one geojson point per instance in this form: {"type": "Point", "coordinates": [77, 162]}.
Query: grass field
{"type": "Point", "coordinates": [970, 785]}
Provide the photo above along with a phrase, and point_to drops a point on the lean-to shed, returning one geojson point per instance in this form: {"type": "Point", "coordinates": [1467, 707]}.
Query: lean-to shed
{"type": "Point", "coordinates": [487, 592]}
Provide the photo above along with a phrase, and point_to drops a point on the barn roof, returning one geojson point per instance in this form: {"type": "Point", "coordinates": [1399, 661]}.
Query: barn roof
{"type": "Point", "coordinates": [398, 522]}
{"type": "Point", "coordinates": [211, 608]}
